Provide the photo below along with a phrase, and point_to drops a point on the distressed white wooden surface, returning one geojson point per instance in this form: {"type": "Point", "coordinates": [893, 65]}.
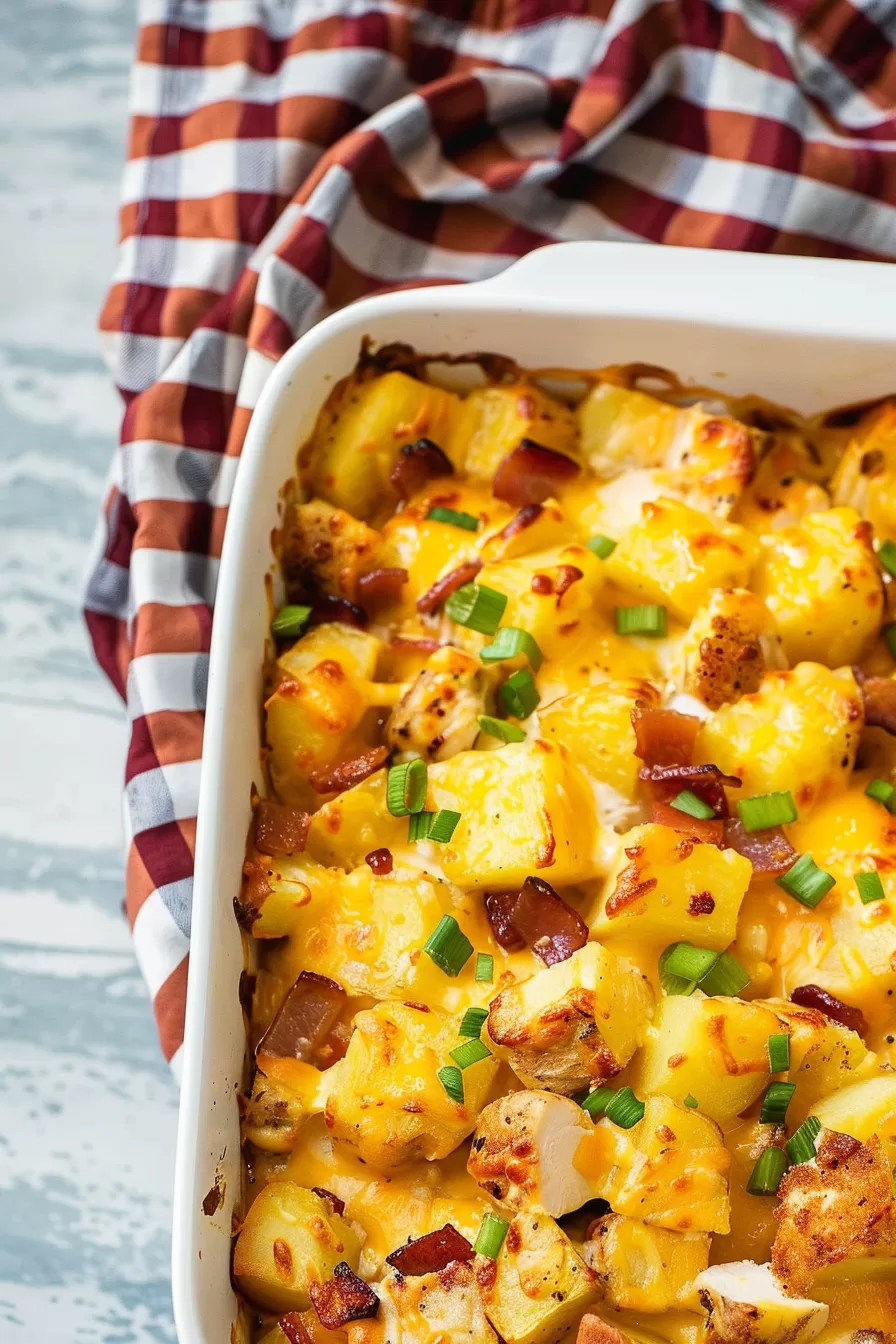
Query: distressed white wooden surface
{"type": "Point", "coordinates": [87, 1109]}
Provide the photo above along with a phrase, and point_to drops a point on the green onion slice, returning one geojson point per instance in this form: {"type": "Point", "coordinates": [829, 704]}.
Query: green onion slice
{"type": "Point", "coordinates": [775, 1101]}
{"type": "Point", "coordinates": [485, 967]}
{"type": "Point", "coordinates": [887, 556]}
{"type": "Point", "coordinates": [406, 788]}
{"type": "Point", "coordinates": [508, 643]}
{"type": "Point", "coordinates": [870, 887]}
{"type": "Point", "coordinates": [443, 825]}
{"type": "Point", "coordinates": [419, 824]}
{"type": "Point", "coordinates": [448, 946]}
{"type": "Point", "coordinates": [290, 622]}
{"type": "Point", "coordinates": [624, 1109]}
{"type": "Point", "coordinates": [726, 977]}
{"type": "Point", "coordinates": [500, 728]}
{"type": "Point", "coordinates": [452, 1080]}
{"type": "Point", "coordinates": [687, 962]}
{"type": "Point", "coordinates": [601, 546]}
{"type": "Point", "coordinates": [766, 1175]}
{"type": "Point", "coordinates": [693, 806]}
{"type": "Point", "coordinates": [801, 1145]}
{"type": "Point", "coordinates": [473, 1021]}
{"type": "Point", "coordinates": [491, 1236]}
{"type": "Point", "coordinates": [596, 1102]}
{"type": "Point", "coordinates": [765, 810]}
{"type": "Point", "coordinates": [519, 694]}
{"type": "Point", "coordinates": [469, 1053]}
{"type": "Point", "coordinates": [806, 882]}
{"type": "Point", "coordinates": [477, 607]}
{"type": "Point", "coordinates": [890, 637]}
{"type": "Point", "coordinates": [882, 792]}
{"type": "Point", "coordinates": [456, 518]}
{"type": "Point", "coordinates": [691, 1100]}
{"type": "Point", "coordinates": [647, 620]}
{"type": "Point", "coordinates": [779, 1052]}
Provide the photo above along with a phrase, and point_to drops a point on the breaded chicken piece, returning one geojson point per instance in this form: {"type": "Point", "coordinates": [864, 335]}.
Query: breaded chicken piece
{"type": "Point", "coordinates": [438, 715]}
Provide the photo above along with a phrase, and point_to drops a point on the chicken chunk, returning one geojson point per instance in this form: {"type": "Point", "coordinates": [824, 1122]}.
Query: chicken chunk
{"type": "Point", "coordinates": [427, 1309]}
{"type": "Point", "coordinates": [437, 715]}
{"type": "Point", "coordinates": [326, 549]}
{"type": "Point", "coordinates": [745, 1305]}
{"type": "Point", "coordinates": [523, 1149]}
{"type": "Point", "coordinates": [731, 643]}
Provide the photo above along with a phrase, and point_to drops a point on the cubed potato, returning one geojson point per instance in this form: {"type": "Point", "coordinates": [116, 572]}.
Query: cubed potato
{"type": "Point", "coordinates": [784, 489]}
{"type": "Point", "coordinates": [798, 732]}
{"type": "Point", "coordinates": [303, 1326]}
{"type": "Point", "coordinates": [572, 1023]}
{"type": "Point", "coordinates": [730, 644]}
{"type": "Point", "coordinates": [272, 1116]}
{"type": "Point", "coordinates": [427, 1309]}
{"type": "Point", "coordinates": [715, 1050]}
{"type": "Point", "coordinates": [595, 724]}
{"type": "Point", "coordinates": [644, 1268]}
{"type": "Point", "coordinates": [669, 1170]}
{"type": "Point", "coordinates": [326, 548]}
{"type": "Point", "coordinates": [676, 555]}
{"type": "Point", "coordinates": [534, 528]}
{"type": "Point", "coordinates": [821, 581]}
{"type": "Point", "coordinates": [668, 888]}
{"type": "Point", "coordinates": [525, 809]}
{"type": "Point", "coordinates": [753, 1221]}
{"type": "Point", "coordinates": [389, 1102]}
{"type": "Point", "coordinates": [863, 1109]}
{"type": "Point", "coordinates": [290, 1238]}
{"type": "Point", "coordinates": [745, 1304]}
{"type": "Point", "coordinates": [277, 888]}
{"type": "Point", "coordinates": [524, 1152]}
{"type": "Point", "coordinates": [824, 1056]}
{"type": "Point", "coordinates": [361, 430]}
{"type": "Point", "coordinates": [865, 478]}
{"type": "Point", "coordinates": [494, 420]}
{"type": "Point", "coordinates": [438, 714]}
{"type": "Point", "coordinates": [550, 594]}
{"type": "Point", "coordinates": [539, 1286]}
{"type": "Point", "coordinates": [349, 826]}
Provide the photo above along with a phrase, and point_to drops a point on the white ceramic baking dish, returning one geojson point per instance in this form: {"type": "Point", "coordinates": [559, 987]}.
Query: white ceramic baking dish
{"type": "Point", "coordinates": [800, 331]}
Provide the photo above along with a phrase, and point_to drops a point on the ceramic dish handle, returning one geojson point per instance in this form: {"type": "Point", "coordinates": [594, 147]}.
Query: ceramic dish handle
{"type": "Point", "coordinates": [562, 271]}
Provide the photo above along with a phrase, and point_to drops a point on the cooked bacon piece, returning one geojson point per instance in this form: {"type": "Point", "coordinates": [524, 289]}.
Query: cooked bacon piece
{"type": "Point", "coordinates": [448, 584]}
{"type": "Point", "coordinates": [663, 736]}
{"type": "Point", "coordinates": [294, 1329]}
{"type": "Point", "coordinates": [769, 851]}
{"type": "Point", "coordinates": [879, 699]}
{"type": "Point", "coordinates": [328, 607]}
{"type": "Point", "coordinates": [813, 996]}
{"type": "Point", "coordinates": [709, 832]}
{"type": "Point", "coordinates": [409, 644]}
{"type": "Point", "coordinates": [418, 463]}
{"type": "Point", "coordinates": [531, 473]}
{"type": "Point", "coordinates": [304, 1019]}
{"type": "Point", "coordinates": [432, 1253]}
{"type": "Point", "coordinates": [343, 1298]}
{"type": "Point", "coordinates": [706, 781]}
{"type": "Point", "coordinates": [527, 515]}
{"type": "Point", "coordinates": [382, 586]}
{"type": "Point", "coordinates": [338, 778]}
{"type": "Point", "coordinates": [337, 1204]}
{"type": "Point", "coordinates": [536, 917]}
{"type": "Point", "coordinates": [279, 829]}
{"type": "Point", "coordinates": [379, 861]}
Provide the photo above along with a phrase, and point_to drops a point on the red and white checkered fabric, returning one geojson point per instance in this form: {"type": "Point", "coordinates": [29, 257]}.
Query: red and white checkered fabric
{"type": "Point", "coordinates": [289, 156]}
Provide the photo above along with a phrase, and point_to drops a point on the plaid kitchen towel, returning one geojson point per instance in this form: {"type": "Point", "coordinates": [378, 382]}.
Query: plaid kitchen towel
{"type": "Point", "coordinates": [289, 156]}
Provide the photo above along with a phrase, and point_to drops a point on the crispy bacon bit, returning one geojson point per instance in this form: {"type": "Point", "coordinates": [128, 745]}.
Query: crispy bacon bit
{"type": "Point", "coordinates": [304, 1020]}
{"type": "Point", "coordinates": [708, 832]}
{"type": "Point", "coordinates": [337, 1204]}
{"type": "Point", "coordinates": [706, 781]}
{"type": "Point", "coordinates": [343, 1298]}
{"type": "Point", "coordinates": [879, 699]}
{"type": "Point", "coordinates": [382, 586]}
{"type": "Point", "coordinates": [379, 861]}
{"type": "Point", "coordinates": [279, 829]}
{"type": "Point", "coordinates": [701, 903]}
{"type": "Point", "coordinates": [813, 996]}
{"type": "Point", "coordinates": [531, 473]}
{"type": "Point", "coordinates": [663, 736]}
{"type": "Point", "coordinates": [432, 1253]}
{"type": "Point", "coordinates": [527, 515]}
{"type": "Point", "coordinates": [448, 584]}
{"type": "Point", "coordinates": [338, 778]}
{"type": "Point", "coordinates": [408, 644]}
{"type": "Point", "coordinates": [536, 917]}
{"type": "Point", "coordinates": [417, 464]}
{"type": "Point", "coordinates": [293, 1328]}
{"type": "Point", "coordinates": [769, 851]}
{"type": "Point", "coordinates": [328, 607]}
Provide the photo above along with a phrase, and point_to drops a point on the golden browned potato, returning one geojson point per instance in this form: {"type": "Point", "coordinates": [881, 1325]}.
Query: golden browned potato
{"type": "Point", "coordinates": [643, 1268]}
{"type": "Point", "coordinates": [539, 1285]}
{"type": "Point", "coordinates": [326, 549]}
{"type": "Point", "coordinates": [427, 1309]}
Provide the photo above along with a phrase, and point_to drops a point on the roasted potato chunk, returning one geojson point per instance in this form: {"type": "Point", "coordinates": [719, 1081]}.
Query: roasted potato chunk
{"type": "Point", "coordinates": [326, 549]}
{"type": "Point", "coordinates": [427, 1309]}
{"type": "Point", "coordinates": [862, 1110]}
{"type": "Point", "coordinates": [730, 644]}
{"type": "Point", "coordinates": [538, 1287]}
{"type": "Point", "coordinates": [495, 420]}
{"type": "Point", "coordinates": [865, 478]}
{"type": "Point", "coordinates": [549, 594]}
{"type": "Point", "coordinates": [438, 714]}
{"type": "Point", "coordinates": [744, 1304]}
{"type": "Point", "coordinates": [523, 1152]}
{"type": "Point", "coordinates": [644, 1268]}
{"type": "Point", "coordinates": [272, 1116]}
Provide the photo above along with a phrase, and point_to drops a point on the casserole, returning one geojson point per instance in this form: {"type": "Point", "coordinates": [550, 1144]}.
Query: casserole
{"type": "Point", "coordinates": [827, 345]}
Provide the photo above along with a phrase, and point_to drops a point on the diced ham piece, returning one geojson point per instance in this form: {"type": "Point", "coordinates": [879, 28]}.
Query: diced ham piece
{"type": "Point", "coordinates": [304, 1020]}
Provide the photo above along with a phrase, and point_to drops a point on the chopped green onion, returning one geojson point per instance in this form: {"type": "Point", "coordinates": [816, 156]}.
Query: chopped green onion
{"type": "Point", "coordinates": [290, 622]}
{"type": "Point", "coordinates": [443, 825]}
{"type": "Point", "coordinates": [870, 887]}
{"type": "Point", "coordinates": [508, 643]}
{"type": "Point", "coordinates": [887, 556]}
{"type": "Point", "coordinates": [596, 1102]}
{"type": "Point", "coordinates": [624, 1109]}
{"type": "Point", "coordinates": [500, 728]}
{"type": "Point", "coordinates": [449, 946]}
{"type": "Point", "coordinates": [519, 695]}
{"type": "Point", "coordinates": [882, 792]}
{"type": "Point", "coordinates": [452, 1080]}
{"type": "Point", "coordinates": [455, 517]}
{"type": "Point", "coordinates": [491, 1236]}
{"type": "Point", "coordinates": [691, 1100]}
{"type": "Point", "coordinates": [419, 824]}
{"type": "Point", "coordinates": [469, 1053]}
{"type": "Point", "coordinates": [693, 806]}
{"type": "Point", "coordinates": [485, 967]}
{"type": "Point", "coordinates": [806, 882]}
{"type": "Point", "coordinates": [688, 962]}
{"type": "Point", "coordinates": [406, 787]}
{"type": "Point", "coordinates": [778, 1052]}
{"type": "Point", "coordinates": [647, 620]}
{"type": "Point", "coordinates": [765, 810]}
{"type": "Point", "coordinates": [890, 637]}
{"type": "Point", "coordinates": [601, 546]}
{"type": "Point", "coordinates": [775, 1101]}
{"type": "Point", "coordinates": [473, 1021]}
{"type": "Point", "coordinates": [725, 977]}
{"type": "Point", "coordinates": [767, 1173]}
{"type": "Point", "coordinates": [801, 1145]}
{"type": "Point", "coordinates": [477, 607]}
